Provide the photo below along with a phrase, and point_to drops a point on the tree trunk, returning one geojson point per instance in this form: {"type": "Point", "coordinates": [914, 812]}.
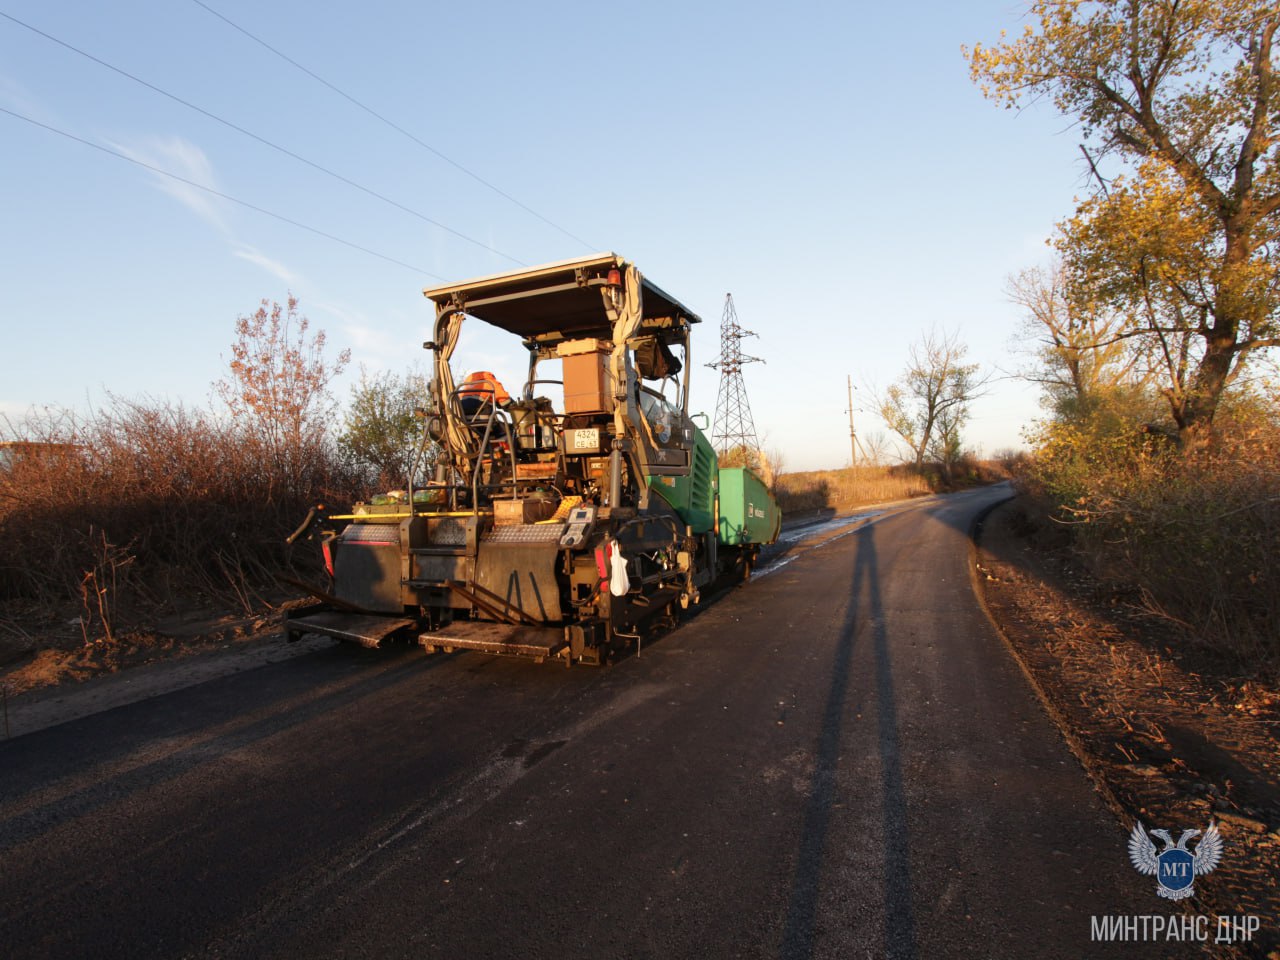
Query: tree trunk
{"type": "Point", "coordinates": [1214, 370]}
{"type": "Point", "coordinates": [1206, 390]}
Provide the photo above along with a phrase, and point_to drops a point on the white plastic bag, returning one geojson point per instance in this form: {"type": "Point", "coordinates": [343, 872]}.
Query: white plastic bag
{"type": "Point", "coordinates": [619, 582]}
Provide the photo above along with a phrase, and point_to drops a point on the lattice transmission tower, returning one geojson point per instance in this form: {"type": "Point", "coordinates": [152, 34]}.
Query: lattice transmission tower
{"type": "Point", "coordinates": [734, 427]}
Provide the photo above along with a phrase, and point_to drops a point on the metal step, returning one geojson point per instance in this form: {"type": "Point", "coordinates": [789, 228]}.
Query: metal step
{"type": "Point", "coordinates": [366, 629]}
{"type": "Point", "coordinates": [496, 638]}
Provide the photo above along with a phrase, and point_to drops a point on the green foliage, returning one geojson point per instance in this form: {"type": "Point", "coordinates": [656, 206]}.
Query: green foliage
{"type": "Point", "coordinates": [1078, 460]}
{"type": "Point", "coordinates": [381, 432]}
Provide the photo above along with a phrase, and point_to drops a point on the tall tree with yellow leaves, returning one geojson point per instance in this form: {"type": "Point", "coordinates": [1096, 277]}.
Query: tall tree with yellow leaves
{"type": "Point", "coordinates": [1184, 93]}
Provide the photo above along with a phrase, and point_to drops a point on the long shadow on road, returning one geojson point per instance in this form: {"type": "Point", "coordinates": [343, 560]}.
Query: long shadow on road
{"type": "Point", "coordinates": [36, 821]}
{"type": "Point", "coordinates": [899, 918]}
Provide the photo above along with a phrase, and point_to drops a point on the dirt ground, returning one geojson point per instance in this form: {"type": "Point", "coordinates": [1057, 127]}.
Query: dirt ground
{"type": "Point", "coordinates": [1171, 735]}
{"type": "Point", "coordinates": [38, 653]}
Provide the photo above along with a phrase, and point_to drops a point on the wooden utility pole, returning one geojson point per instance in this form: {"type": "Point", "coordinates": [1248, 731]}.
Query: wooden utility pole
{"type": "Point", "coordinates": [853, 437]}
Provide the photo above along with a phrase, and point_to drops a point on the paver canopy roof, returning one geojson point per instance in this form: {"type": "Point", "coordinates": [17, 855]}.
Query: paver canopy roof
{"type": "Point", "coordinates": [557, 301]}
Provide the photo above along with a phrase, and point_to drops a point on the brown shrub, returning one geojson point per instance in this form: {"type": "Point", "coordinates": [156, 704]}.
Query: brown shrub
{"type": "Point", "coordinates": [1195, 532]}
{"type": "Point", "coordinates": [147, 503]}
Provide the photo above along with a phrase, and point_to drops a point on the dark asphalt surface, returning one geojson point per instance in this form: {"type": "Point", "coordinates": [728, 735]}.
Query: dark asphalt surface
{"type": "Point", "coordinates": [839, 760]}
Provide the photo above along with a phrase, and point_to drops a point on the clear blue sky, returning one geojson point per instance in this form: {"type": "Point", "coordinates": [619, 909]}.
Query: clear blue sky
{"type": "Point", "coordinates": [830, 164]}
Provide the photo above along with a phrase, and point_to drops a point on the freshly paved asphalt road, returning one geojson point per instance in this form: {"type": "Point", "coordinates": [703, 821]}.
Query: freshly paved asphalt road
{"type": "Point", "coordinates": [839, 760]}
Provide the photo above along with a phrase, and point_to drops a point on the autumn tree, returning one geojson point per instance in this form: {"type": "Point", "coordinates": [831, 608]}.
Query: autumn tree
{"type": "Point", "coordinates": [381, 430]}
{"type": "Point", "coordinates": [767, 465]}
{"type": "Point", "coordinates": [277, 387]}
{"type": "Point", "coordinates": [929, 404]}
{"type": "Point", "coordinates": [1183, 93]}
{"type": "Point", "coordinates": [945, 442]}
{"type": "Point", "coordinates": [1080, 354]}
{"type": "Point", "coordinates": [1147, 249]}
{"type": "Point", "coordinates": [876, 448]}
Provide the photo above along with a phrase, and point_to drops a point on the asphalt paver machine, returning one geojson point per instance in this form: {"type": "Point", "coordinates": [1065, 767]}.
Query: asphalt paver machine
{"type": "Point", "coordinates": [562, 518]}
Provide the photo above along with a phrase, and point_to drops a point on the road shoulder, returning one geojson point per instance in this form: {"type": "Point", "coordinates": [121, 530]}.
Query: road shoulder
{"type": "Point", "coordinates": [1167, 738]}
{"type": "Point", "coordinates": [47, 707]}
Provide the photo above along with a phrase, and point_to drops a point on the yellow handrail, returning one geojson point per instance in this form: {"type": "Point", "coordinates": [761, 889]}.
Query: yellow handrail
{"type": "Point", "coordinates": [402, 516]}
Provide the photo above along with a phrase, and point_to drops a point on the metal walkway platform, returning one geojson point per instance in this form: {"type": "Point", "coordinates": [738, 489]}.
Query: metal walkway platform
{"type": "Point", "coordinates": [496, 638]}
{"type": "Point", "coordinates": [365, 629]}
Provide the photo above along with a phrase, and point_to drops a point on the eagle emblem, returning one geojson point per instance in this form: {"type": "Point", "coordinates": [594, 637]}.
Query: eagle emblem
{"type": "Point", "coordinates": [1175, 867]}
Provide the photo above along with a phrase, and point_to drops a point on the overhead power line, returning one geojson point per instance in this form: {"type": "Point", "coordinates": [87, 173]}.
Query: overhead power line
{"type": "Point", "coordinates": [263, 140]}
{"type": "Point", "coordinates": [219, 193]}
{"type": "Point", "coordinates": [392, 124]}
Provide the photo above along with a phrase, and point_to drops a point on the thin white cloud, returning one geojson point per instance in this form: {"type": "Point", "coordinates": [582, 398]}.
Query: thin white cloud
{"type": "Point", "coordinates": [273, 267]}
{"type": "Point", "coordinates": [370, 342]}
{"type": "Point", "coordinates": [343, 313]}
{"type": "Point", "coordinates": [184, 159]}
{"type": "Point", "coordinates": [365, 339]}
{"type": "Point", "coordinates": [20, 100]}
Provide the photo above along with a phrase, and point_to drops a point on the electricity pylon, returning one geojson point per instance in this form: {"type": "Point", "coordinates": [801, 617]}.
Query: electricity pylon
{"type": "Point", "coordinates": [734, 428]}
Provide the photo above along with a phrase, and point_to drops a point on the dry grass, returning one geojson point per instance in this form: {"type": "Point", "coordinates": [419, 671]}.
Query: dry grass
{"type": "Point", "coordinates": [145, 506]}
{"type": "Point", "coordinates": [842, 489]}
{"type": "Point", "coordinates": [855, 486]}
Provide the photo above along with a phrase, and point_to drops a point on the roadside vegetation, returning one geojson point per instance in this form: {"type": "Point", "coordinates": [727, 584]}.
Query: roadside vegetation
{"type": "Point", "coordinates": [931, 400]}
{"type": "Point", "coordinates": [145, 508]}
{"type": "Point", "coordinates": [842, 490]}
{"type": "Point", "coordinates": [1159, 448]}
{"type": "Point", "coordinates": [928, 405]}
{"type": "Point", "coordinates": [926, 409]}
{"type": "Point", "coordinates": [147, 505]}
